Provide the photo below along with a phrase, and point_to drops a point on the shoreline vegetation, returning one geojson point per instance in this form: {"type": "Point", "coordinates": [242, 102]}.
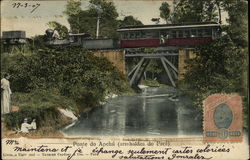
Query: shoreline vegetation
{"type": "Point", "coordinates": [45, 82]}
{"type": "Point", "coordinates": [54, 112]}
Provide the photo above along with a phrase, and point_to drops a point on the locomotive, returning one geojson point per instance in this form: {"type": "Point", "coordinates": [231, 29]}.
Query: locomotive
{"type": "Point", "coordinates": [163, 35]}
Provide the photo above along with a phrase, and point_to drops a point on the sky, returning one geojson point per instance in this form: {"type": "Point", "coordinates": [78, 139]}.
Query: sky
{"type": "Point", "coordinates": [35, 23]}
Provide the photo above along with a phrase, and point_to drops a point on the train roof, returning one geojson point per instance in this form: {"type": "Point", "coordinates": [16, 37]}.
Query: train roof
{"type": "Point", "coordinates": [79, 34]}
{"type": "Point", "coordinates": [168, 26]}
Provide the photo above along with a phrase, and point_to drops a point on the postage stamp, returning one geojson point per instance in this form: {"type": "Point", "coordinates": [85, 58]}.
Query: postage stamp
{"type": "Point", "coordinates": [223, 118]}
{"type": "Point", "coordinates": [124, 79]}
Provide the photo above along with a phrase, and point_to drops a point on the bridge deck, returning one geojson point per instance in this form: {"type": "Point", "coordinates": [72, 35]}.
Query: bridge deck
{"type": "Point", "coordinates": [150, 55]}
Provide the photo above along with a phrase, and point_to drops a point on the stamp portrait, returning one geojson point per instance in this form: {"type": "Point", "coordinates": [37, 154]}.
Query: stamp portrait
{"type": "Point", "coordinates": [223, 118]}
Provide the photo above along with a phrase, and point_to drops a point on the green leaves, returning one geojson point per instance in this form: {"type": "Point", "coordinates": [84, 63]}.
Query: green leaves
{"type": "Point", "coordinates": [85, 21]}
{"type": "Point", "coordinates": [217, 68]}
{"type": "Point", "coordinates": [238, 20]}
{"type": "Point", "coordinates": [165, 11]}
{"type": "Point", "coordinates": [129, 21]}
{"type": "Point", "coordinates": [195, 11]}
{"type": "Point", "coordinates": [220, 66]}
{"type": "Point", "coordinates": [75, 73]}
{"type": "Point", "coordinates": [73, 8]}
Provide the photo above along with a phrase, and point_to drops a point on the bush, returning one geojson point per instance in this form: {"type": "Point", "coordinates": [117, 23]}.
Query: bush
{"type": "Point", "coordinates": [75, 73]}
{"type": "Point", "coordinates": [43, 98]}
{"type": "Point", "coordinates": [218, 67]}
{"type": "Point", "coordinates": [41, 114]}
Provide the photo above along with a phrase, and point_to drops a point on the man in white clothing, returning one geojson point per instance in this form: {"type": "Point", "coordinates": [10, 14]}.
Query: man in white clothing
{"type": "Point", "coordinates": [25, 127]}
{"type": "Point", "coordinates": [5, 94]}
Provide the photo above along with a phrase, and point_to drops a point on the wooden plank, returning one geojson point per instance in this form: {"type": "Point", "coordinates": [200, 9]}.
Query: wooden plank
{"type": "Point", "coordinates": [136, 72]}
{"type": "Point", "coordinates": [168, 72]}
{"type": "Point", "coordinates": [170, 64]}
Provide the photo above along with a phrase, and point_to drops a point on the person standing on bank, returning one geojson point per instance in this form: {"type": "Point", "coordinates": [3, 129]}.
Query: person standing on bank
{"type": "Point", "coordinates": [5, 94]}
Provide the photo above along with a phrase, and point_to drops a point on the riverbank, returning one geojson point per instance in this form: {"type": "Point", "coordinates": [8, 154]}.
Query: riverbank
{"type": "Point", "coordinates": [50, 119]}
{"type": "Point", "coordinates": [50, 130]}
{"type": "Point", "coordinates": [72, 79]}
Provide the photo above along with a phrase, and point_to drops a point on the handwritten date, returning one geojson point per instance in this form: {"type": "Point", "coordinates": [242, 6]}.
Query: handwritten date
{"type": "Point", "coordinates": [26, 5]}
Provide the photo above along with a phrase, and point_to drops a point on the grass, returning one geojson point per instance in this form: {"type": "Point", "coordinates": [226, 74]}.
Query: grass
{"type": "Point", "coordinates": [153, 83]}
{"type": "Point", "coordinates": [39, 99]}
{"type": "Point", "coordinates": [40, 105]}
{"type": "Point", "coordinates": [43, 98]}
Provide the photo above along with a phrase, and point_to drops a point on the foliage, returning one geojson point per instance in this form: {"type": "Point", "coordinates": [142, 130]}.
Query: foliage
{"type": "Point", "coordinates": [155, 67]}
{"type": "Point", "coordinates": [85, 20]}
{"type": "Point", "coordinates": [40, 105]}
{"type": "Point", "coordinates": [238, 21]}
{"type": "Point", "coordinates": [129, 21]}
{"type": "Point", "coordinates": [61, 29]}
{"type": "Point", "coordinates": [153, 83]}
{"type": "Point", "coordinates": [73, 8]}
{"type": "Point", "coordinates": [41, 114]}
{"type": "Point", "coordinates": [165, 11]}
{"type": "Point", "coordinates": [217, 68]}
{"type": "Point", "coordinates": [195, 11]}
{"type": "Point", "coordinates": [43, 98]}
{"type": "Point", "coordinates": [76, 74]}
{"type": "Point", "coordinates": [8, 60]}
{"type": "Point", "coordinates": [108, 8]}
{"type": "Point", "coordinates": [37, 42]}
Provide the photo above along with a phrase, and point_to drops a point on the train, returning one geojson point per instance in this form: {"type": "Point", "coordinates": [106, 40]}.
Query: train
{"type": "Point", "coordinates": [14, 37]}
{"type": "Point", "coordinates": [160, 35]}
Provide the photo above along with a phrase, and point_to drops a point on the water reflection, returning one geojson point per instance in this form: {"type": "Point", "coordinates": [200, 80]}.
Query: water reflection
{"type": "Point", "coordinates": [151, 113]}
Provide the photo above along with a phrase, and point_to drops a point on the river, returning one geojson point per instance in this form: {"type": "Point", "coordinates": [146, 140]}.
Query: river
{"type": "Point", "coordinates": [154, 112]}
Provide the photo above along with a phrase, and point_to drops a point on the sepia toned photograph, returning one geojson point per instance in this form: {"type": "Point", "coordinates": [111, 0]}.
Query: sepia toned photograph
{"type": "Point", "coordinates": [124, 79]}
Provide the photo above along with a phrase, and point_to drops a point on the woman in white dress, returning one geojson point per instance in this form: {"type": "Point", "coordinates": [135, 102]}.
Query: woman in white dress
{"type": "Point", "coordinates": [5, 95]}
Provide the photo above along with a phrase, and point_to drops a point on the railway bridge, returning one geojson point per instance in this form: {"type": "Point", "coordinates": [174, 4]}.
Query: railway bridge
{"type": "Point", "coordinates": [172, 60]}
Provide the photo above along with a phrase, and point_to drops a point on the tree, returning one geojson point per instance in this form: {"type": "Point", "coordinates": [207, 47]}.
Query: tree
{"type": "Point", "coordinates": [108, 22]}
{"type": "Point", "coordinates": [165, 11]}
{"type": "Point", "coordinates": [73, 8]}
{"type": "Point", "coordinates": [195, 11]}
{"type": "Point", "coordinates": [129, 21]}
{"type": "Point", "coordinates": [217, 68]}
{"type": "Point", "coordinates": [220, 66]}
{"type": "Point", "coordinates": [75, 73]}
{"type": "Point", "coordinates": [86, 20]}
{"type": "Point", "coordinates": [238, 21]}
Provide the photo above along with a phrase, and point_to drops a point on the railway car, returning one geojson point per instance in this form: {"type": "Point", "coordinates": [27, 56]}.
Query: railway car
{"type": "Point", "coordinates": [14, 37]}
{"type": "Point", "coordinates": [180, 35]}
{"type": "Point", "coordinates": [105, 43]}
{"type": "Point", "coordinates": [168, 34]}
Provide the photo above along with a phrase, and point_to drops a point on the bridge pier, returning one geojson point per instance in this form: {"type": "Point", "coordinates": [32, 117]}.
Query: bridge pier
{"type": "Point", "coordinates": [116, 57]}
{"type": "Point", "coordinates": [184, 55]}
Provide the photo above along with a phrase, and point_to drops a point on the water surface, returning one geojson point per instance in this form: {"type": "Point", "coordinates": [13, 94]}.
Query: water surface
{"type": "Point", "coordinates": [155, 112]}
